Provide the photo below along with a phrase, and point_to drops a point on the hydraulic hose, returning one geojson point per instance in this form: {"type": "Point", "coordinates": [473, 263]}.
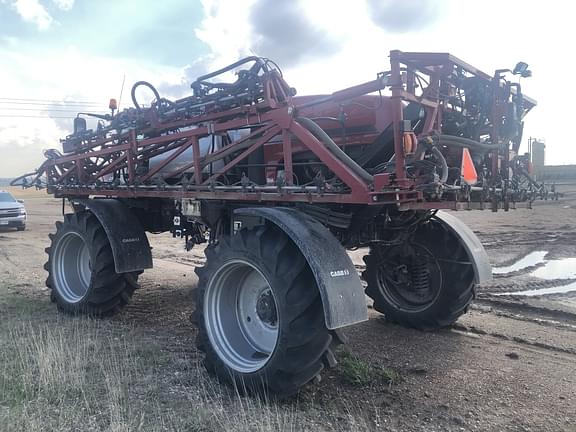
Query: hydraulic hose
{"type": "Point", "coordinates": [145, 84]}
{"type": "Point", "coordinates": [319, 133]}
{"type": "Point", "coordinates": [442, 160]}
{"type": "Point", "coordinates": [466, 142]}
{"type": "Point", "coordinates": [203, 78]}
{"type": "Point", "coordinates": [20, 181]}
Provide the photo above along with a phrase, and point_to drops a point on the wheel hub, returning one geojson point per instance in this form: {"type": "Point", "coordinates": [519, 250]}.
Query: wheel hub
{"type": "Point", "coordinates": [266, 308]}
{"type": "Point", "coordinates": [241, 317]}
{"type": "Point", "coordinates": [71, 267]}
{"type": "Point", "coordinates": [410, 281]}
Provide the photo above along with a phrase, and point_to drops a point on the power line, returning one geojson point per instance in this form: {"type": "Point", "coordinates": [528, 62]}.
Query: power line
{"type": "Point", "coordinates": [63, 104]}
{"type": "Point", "coordinates": [75, 110]}
{"type": "Point", "coordinates": [38, 116]}
{"type": "Point", "coordinates": [51, 101]}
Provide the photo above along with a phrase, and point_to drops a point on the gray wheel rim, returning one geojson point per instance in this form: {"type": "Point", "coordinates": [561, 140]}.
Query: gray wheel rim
{"type": "Point", "coordinates": [71, 270]}
{"type": "Point", "coordinates": [241, 318]}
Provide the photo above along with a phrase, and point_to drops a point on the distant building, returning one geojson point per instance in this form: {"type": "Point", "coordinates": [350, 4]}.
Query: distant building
{"type": "Point", "coordinates": [547, 173]}
{"type": "Point", "coordinates": [538, 153]}
{"type": "Point", "coordinates": [551, 173]}
{"type": "Point", "coordinates": [537, 149]}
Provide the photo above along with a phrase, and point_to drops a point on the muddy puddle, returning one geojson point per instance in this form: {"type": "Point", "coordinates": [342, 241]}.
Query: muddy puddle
{"type": "Point", "coordinates": [546, 269]}
{"type": "Point", "coordinates": [563, 289]}
{"type": "Point", "coordinates": [557, 269]}
{"type": "Point", "coordinates": [530, 260]}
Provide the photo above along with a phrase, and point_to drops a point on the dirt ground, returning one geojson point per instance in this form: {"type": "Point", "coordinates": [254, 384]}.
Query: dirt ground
{"type": "Point", "coordinates": [509, 364]}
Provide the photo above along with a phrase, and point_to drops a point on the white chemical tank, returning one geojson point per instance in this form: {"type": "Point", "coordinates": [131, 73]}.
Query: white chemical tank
{"type": "Point", "coordinates": [209, 144]}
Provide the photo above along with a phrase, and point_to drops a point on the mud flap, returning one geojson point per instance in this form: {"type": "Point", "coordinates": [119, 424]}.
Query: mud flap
{"type": "Point", "coordinates": [338, 281]}
{"type": "Point", "coordinates": [128, 240]}
{"type": "Point", "coordinates": [476, 253]}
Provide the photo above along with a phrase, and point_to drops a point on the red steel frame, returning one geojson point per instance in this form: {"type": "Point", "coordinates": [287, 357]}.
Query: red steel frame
{"type": "Point", "coordinates": [266, 120]}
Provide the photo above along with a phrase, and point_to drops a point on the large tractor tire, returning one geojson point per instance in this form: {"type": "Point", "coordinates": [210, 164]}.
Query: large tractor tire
{"type": "Point", "coordinates": [260, 315]}
{"type": "Point", "coordinates": [426, 283]}
{"type": "Point", "coordinates": [81, 274]}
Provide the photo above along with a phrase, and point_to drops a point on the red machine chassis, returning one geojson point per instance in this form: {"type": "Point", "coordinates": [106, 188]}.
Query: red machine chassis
{"type": "Point", "coordinates": [277, 115]}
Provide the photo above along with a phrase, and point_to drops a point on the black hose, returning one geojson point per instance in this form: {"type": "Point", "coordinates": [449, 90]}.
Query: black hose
{"type": "Point", "coordinates": [442, 160]}
{"type": "Point", "coordinates": [466, 142]}
{"type": "Point", "coordinates": [145, 84]}
{"type": "Point", "coordinates": [319, 133]}
{"type": "Point", "coordinates": [202, 79]}
{"type": "Point", "coordinates": [19, 181]}
{"type": "Point", "coordinates": [23, 179]}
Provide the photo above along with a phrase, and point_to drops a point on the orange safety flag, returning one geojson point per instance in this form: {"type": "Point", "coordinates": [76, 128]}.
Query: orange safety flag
{"type": "Point", "coordinates": [468, 170]}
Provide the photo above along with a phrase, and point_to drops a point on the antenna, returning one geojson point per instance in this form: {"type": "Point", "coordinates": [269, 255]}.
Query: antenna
{"type": "Point", "coordinates": [121, 91]}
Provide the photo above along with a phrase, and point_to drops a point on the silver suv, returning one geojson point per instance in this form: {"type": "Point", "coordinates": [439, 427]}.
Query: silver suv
{"type": "Point", "coordinates": [12, 212]}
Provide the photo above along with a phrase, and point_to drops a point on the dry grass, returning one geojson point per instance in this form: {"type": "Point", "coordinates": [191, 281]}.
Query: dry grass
{"type": "Point", "coordinates": [65, 374]}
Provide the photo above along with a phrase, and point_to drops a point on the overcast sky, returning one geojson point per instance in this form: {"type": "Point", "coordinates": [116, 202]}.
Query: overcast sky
{"type": "Point", "coordinates": [72, 51]}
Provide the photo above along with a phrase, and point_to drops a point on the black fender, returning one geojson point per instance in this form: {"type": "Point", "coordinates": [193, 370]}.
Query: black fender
{"type": "Point", "coordinates": [340, 288]}
{"type": "Point", "coordinates": [476, 252]}
{"type": "Point", "coordinates": [128, 240]}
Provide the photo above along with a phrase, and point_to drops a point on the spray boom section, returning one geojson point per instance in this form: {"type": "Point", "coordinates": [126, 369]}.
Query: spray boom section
{"type": "Point", "coordinates": [431, 132]}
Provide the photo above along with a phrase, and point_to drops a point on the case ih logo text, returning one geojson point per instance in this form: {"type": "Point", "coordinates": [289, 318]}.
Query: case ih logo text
{"type": "Point", "coordinates": [131, 240]}
{"type": "Point", "coordinates": [338, 273]}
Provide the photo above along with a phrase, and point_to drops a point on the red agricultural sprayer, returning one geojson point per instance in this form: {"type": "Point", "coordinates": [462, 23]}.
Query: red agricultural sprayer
{"type": "Point", "coordinates": [279, 186]}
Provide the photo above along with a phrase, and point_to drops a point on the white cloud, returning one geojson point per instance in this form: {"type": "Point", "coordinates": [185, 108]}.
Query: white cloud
{"type": "Point", "coordinates": [32, 11]}
{"type": "Point", "coordinates": [225, 31]}
{"type": "Point", "coordinates": [66, 75]}
{"type": "Point", "coordinates": [64, 5]}
{"type": "Point", "coordinates": [69, 73]}
{"type": "Point", "coordinates": [9, 41]}
{"type": "Point", "coordinates": [471, 31]}
{"type": "Point", "coordinates": [22, 142]}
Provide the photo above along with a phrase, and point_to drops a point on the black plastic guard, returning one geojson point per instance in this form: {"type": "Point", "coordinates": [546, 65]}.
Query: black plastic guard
{"type": "Point", "coordinates": [338, 281]}
{"type": "Point", "coordinates": [128, 240]}
{"type": "Point", "coordinates": [472, 244]}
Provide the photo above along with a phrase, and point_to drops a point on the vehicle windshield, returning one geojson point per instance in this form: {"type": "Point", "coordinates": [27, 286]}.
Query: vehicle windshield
{"type": "Point", "coordinates": [6, 197]}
